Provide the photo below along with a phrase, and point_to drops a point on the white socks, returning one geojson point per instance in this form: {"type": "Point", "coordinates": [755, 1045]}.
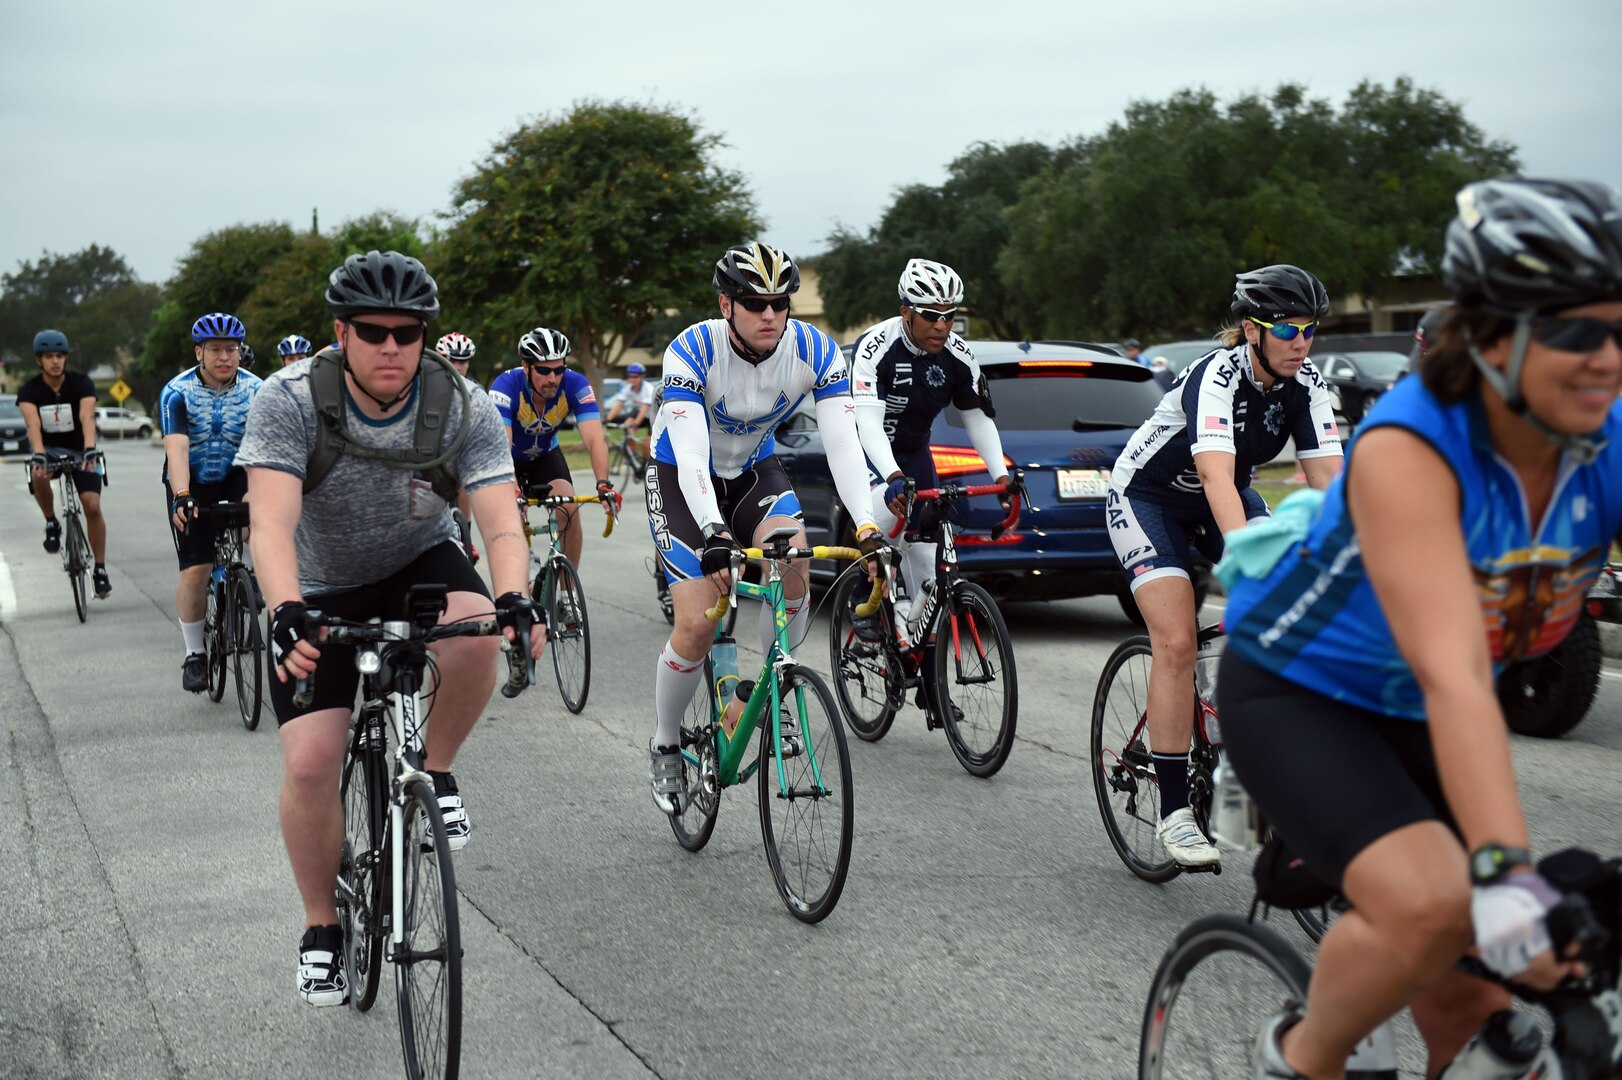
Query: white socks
{"type": "Point", "coordinates": [193, 633]}
{"type": "Point", "coordinates": [673, 688]}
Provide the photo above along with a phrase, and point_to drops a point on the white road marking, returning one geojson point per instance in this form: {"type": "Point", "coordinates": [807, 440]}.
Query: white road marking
{"type": "Point", "coordinates": [8, 595]}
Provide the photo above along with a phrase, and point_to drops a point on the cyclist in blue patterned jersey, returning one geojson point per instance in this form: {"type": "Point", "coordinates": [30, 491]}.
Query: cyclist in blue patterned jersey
{"type": "Point", "coordinates": [204, 413]}
{"type": "Point", "coordinates": [534, 400]}
{"type": "Point", "coordinates": [1183, 482]}
{"type": "Point", "coordinates": [715, 484]}
{"type": "Point", "coordinates": [1357, 690]}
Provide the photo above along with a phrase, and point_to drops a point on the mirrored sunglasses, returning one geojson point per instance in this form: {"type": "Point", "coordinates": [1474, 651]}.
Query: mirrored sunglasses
{"type": "Point", "coordinates": [1286, 331]}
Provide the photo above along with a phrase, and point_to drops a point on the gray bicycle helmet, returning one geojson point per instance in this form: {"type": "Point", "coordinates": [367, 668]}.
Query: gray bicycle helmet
{"type": "Point", "coordinates": [382, 281]}
{"type": "Point", "coordinates": [1279, 292]}
{"type": "Point", "coordinates": [50, 341]}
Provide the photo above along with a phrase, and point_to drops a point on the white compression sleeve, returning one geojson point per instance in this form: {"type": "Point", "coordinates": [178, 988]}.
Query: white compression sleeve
{"type": "Point", "coordinates": [689, 433]}
{"type": "Point", "coordinates": [986, 441]}
{"type": "Point", "coordinates": [845, 460]}
{"type": "Point", "coordinates": [875, 443]}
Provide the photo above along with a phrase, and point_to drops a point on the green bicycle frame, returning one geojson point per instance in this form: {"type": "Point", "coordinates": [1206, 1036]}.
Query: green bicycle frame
{"type": "Point", "coordinates": [768, 690]}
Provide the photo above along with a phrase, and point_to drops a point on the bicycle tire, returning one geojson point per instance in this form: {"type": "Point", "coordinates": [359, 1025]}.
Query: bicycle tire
{"type": "Point", "coordinates": [867, 675]}
{"type": "Point", "coordinates": [365, 793]}
{"type": "Point", "coordinates": [1547, 697]}
{"type": "Point", "coordinates": [569, 635]}
{"type": "Point", "coordinates": [696, 822]}
{"type": "Point", "coordinates": [984, 737]}
{"type": "Point", "coordinates": [247, 646]}
{"type": "Point", "coordinates": [810, 892]}
{"type": "Point", "coordinates": [1124, 769]}
{"type": "Point", "coordinates": [78, 560]}
{"type": "Point", "coordinates": [621, 468]}
{"type": "Point", "coordinates": [428, 960]}
{"type": "Point", "coordinates": [1219, 1052]}
{"type": "Point", "coordinates": [215, 642]}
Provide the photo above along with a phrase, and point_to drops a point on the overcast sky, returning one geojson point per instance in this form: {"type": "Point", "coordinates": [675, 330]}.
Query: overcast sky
{"type": "Point", "coordinates": [144, 126]}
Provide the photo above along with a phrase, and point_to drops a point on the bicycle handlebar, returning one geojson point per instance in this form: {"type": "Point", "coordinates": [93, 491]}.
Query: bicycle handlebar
{"type": "Point", "coordinates": [520, 666]}
{"type": "Point", "coordinates": [60, 460]}
{"type": "Point", "coordinates": [571, 500]}
{"type": "Point", "coordinates": [952, 492]}
{"type": "Point", "coordinates": [843, 554]}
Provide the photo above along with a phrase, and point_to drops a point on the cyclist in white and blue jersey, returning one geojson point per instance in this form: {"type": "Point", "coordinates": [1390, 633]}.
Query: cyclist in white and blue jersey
{"type": "Point", "coordinates": [1357, 691]}
{"type": "Point", "coordinates": [204, 413]}
{"type": "Point", "coordinates": [1183, 483]}
{"type": "Point", "coordinates": [714, 483]}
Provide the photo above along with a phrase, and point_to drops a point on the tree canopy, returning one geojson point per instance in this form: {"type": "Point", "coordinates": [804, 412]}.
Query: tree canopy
{"type": "Point", "coordinates": [92, 296]}
{"type": "Point", "coordinates": [596, 222]}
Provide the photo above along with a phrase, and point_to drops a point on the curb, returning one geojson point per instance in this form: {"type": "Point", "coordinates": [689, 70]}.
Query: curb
{"type": "Point", "coordinates": [1610, 640]}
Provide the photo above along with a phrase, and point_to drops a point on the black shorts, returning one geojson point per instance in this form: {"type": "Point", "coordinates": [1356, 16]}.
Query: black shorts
{"type": "Point", "coordinates": [747, 500]}
{"type": "Point", "coordinates": [87, 481]}
{"type": "Point", "coordinates": [1329, 777]}
{"type": "Point", "coordinates": [336, 679]}
{"type": "Point", "coordinates": [1155, 539]}
{"type": "Point", "coordinates": [195, 546]}
{"type": "Point", "coordinates": [550, 466]}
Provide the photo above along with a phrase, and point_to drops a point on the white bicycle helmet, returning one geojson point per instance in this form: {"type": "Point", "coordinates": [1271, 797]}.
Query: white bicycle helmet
{"type": "Point", "coordinates": [932, 283]}
{"type": "Point", "coordinates": [543, 344]}
{"type": "Point", "coordinates": [454, 346]}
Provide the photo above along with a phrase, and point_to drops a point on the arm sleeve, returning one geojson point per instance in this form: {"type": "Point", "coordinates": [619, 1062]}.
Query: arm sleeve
{"type": "Point", "coordinates": [987, 442]}
{"type": "Point", "coordinates": [867, 395]}
{"type": "Point", "coordinates": [1207, 400]}
{"type": "Point", "coordinates": [172, 412]}
{"type": "Point", "coordinates": [1316, 434]}
{"type": "Point", "coordinates": [688, 429]}
{"type": "Point", "coordinates": [836, 420]}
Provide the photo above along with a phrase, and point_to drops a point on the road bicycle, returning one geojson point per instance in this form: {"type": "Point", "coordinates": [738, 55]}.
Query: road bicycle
{"type": "Point", "coordinates": [804, 784]}
{"type": "Point", "coordinates": [558, 591]}
{"type": "Point", "coordinates": [974, 682]}
{"type": "Point", "coordinates": [626, 462]}
{"type": "Point", "coordinates": [1226, 975]}
{"type": "Point", "coordinates": [77, 559]}
{"type": "Point", "coordinates": [396, 887]}
{"type": "Point", "coordinates": [231, 631]}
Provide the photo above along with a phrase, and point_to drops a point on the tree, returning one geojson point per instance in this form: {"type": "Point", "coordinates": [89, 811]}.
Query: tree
{"type": "Point", "coordinates": [1141, 230]}
{"type": "Point", "coordinates": [596, 223]}
{"type": "Point", "coordinates": [92, 296]}
{"type": "Point", "coordinates": [961, 223]}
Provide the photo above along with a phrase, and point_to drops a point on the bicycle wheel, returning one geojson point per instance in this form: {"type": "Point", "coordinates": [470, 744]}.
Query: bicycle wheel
{"type": "Point", "coordinates": [570, 634]}
{"type": "Point", "coordinates": [867, 675]}
{"type": "Point", "coordinates": [975, 680]}
{"type": "Point", "coordinates": [700, 769]}
{"type": "Point", "coordinates": [247, 645]}
{"type": "Point", "coordinates": [216, 643]}
{"type": "Point", "coordinates": [78, 559]}
{"type": "Point", "coordinates": [807, 827]}
{"type": "Point", "coordinates": [361, 870]}
{"type": "Point", "coordinates": [1216, 988]}
{"type": "Point", "coordinates": [621, 468]}
{"type": "Point", "coordinates": [428, 960]}
{"type": "Point", "coordinates": [1123, 772]}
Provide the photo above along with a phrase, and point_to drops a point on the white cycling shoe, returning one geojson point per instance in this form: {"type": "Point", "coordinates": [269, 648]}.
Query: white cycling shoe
{"type": "Point", "coordinates": [1184, 842]}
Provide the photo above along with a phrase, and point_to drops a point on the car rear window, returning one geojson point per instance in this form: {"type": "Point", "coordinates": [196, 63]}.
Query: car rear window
{"type": "Point", "coordinates": [9, 411]}
{"type": "Point", "coordinates": [1067, 396]}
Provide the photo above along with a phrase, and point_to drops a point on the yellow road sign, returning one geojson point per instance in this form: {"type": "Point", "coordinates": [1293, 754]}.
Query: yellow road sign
{"type": "Point", "coordinates": [120, 390]}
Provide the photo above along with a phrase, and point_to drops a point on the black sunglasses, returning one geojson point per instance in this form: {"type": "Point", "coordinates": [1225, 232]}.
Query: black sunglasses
{"type": "Point", "coordinates": [758, 305]}
{"type": "Point", "coordinates": [935, 316]}
{"type": "Point", "coordinates": [1575, 335]}
{"type": "Point", "coordinates": [374, 334]}
{"type": "Point", "coordinates": [550, 372]}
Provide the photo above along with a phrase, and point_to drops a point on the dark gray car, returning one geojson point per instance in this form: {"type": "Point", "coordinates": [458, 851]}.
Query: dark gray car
{"type": "Point", "coordinates": [1360, 378]}
{"type": "Point", "coordinates": [13, 433]}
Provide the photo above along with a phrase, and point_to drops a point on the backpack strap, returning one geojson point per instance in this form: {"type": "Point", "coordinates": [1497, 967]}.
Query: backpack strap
{"type": "Point", "coordinates": [331, 437]}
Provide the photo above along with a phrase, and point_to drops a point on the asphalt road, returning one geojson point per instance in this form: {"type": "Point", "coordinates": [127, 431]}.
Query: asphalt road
{"type": "Point", "coordinates": [987, 928]}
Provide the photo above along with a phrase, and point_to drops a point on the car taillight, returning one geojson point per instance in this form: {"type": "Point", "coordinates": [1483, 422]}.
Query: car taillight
{"type": "Point", "coordinates": [960, 461]}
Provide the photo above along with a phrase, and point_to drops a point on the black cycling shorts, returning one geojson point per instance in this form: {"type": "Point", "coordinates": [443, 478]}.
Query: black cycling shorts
{"type": "Point", "coordinates": [87, 481]}
{"type": "Point", "coordinates": [1155, 539]}
{"type": "Point", "coordinates": [550, 466]}
{"type": "Point", "coordinates": [746, 501]}
{"type": "Point", "coordinates": [336, 679]}
{"type": "Point", "coordinates": [1329, 777]}
{"type": "Point", "coordinates": [195, 546]}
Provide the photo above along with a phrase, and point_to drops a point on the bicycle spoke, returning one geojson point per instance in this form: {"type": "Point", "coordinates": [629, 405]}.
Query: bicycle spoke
{"type": "Point", "coordinates": [807, 824]}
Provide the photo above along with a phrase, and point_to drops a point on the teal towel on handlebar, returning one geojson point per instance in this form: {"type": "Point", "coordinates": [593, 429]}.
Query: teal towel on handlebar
{"type": "Point", "coordinates": [1254, 550]}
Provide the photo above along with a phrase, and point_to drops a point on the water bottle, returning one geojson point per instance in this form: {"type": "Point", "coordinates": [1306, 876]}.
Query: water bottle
{"type": "Point", "coordinates": [1235, 822]}
{"type": "Point", "coordinates": [724, 663]}
{"type": "Point", "coordinates": [901, 605]}
{"type": "Point", "coordinates": [1375, 1057]}
{"type": "Point", "coordinates": [926, 595]}
{"type": "Point", "coordinates": [1504, 1049]}
{"type": "Point", "coordinates": [734, 709]}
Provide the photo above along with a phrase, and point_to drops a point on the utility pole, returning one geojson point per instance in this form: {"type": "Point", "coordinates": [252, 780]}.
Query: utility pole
{"type": "Point", "coordinates": [315, 221]}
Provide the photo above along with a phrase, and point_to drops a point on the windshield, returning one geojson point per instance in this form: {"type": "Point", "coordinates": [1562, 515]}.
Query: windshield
{"type": "Point", "coordinates": [1385, 366]}
{"type": "Point", "coordinates": [1093, 396]}
{"type": "Point", "coordinates": [9, 411]}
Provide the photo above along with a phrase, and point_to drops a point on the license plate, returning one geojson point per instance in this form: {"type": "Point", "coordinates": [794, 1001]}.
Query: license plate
{"type": "Point", "coordinates": [13, 444]}
{"type": "Point", "coordinates": [1083, 483]}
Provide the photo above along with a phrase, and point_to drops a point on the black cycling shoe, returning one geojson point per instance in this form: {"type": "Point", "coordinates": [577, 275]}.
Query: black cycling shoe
{"type": "Point", "coordinates": [104, 584]}
{"type": "Point", "coordinates": [867, 627]}
{"type": "Point", "coordinates": [53, 535]}
{"type": "Point", "coordinates": [194, 673]}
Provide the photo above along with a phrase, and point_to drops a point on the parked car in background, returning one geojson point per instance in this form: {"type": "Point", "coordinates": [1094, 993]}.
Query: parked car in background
{"type": "Point", "coordinates": [13, 432]}
{"type": "Point", "coordinates": [1065, 414]}
{"type": "Point", "coordinates": [1359, 378]}
{"type": "Point", "coordinates": [123, 423]}
{"type": "Point", "coordinates": [1180, 354]}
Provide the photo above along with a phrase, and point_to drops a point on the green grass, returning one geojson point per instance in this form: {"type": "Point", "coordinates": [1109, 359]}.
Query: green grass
{"type": "Point", "coordinates": [1271, 485]}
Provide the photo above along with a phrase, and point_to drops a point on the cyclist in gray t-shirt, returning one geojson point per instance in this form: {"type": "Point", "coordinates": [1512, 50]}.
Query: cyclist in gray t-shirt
{"type": "Point", "coordinates": [354, 546]}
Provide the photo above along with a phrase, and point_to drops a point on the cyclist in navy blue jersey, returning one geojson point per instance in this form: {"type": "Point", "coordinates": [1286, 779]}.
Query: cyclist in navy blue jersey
{"type": "Point", "coordinates": [1183, 482]}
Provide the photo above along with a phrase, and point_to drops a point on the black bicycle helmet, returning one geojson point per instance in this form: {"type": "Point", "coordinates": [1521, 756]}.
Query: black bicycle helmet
{"type": "Point", "coordinates": [382, 281]}
{"type": "Point", "coordinates": [1520, 246]}
{"type": "Point", "coordinates": [50, 341]}
{"type": "Point", "coordinates": [1279, 292]}
{"type": "Point", "coordinates": [756, 269]}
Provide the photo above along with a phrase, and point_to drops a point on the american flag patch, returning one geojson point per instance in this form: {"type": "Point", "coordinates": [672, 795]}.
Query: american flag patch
{"type": "Point", "coordinates": [1216, 423]}
{"type": "Point", "coordinates": [1331, 430]}
{"type": "Point", "coordinates": [1141, 568]}
{"type": "Point", "coordinates": [864, 387]}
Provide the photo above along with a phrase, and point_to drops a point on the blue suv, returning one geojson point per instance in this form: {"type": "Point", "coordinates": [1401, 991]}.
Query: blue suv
{"type": "Point", "coordinates": [1065, 413]}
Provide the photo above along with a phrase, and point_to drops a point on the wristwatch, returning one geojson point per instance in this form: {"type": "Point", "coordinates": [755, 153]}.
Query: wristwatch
{"type": "Point", "coordinates": [1489, 862]}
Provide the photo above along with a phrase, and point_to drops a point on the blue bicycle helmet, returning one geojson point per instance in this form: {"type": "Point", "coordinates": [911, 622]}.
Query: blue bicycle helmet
{"type": "Point", "coordinates": [217, 326]}
{"type": "Point", "coordinates": [636, 369]}
{"type": "Point", "coordinates": [293, 345]}
{"type": "Point", "coordinates": [50, 341]}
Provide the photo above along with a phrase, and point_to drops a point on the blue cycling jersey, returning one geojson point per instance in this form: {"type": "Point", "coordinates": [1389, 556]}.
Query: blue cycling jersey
{"type": "Point", "coordinates": [1315, 621]}
{"type": "Point", "coordinates": [214, 420]}
{"type": "Point", "coordinates": [534, 422]}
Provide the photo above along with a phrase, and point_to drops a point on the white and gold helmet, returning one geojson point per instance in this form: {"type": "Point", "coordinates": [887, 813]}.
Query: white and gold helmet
{"type": "Point", "coordinates": [756, 269]}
